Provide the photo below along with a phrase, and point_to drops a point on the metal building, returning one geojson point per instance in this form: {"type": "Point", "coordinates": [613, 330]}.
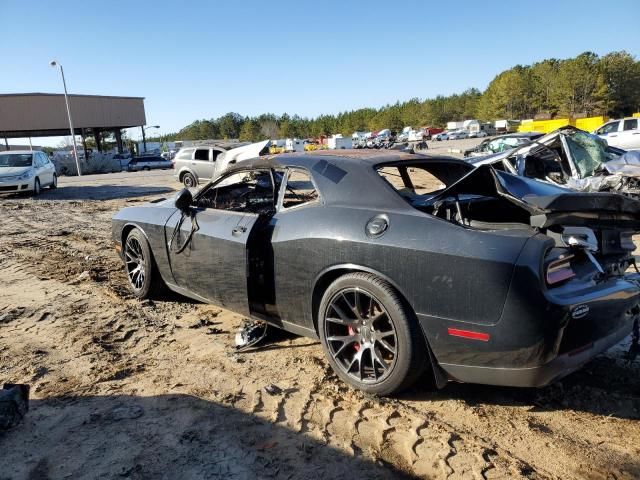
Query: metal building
{"type": "Point", "coordinates": [45, 115]}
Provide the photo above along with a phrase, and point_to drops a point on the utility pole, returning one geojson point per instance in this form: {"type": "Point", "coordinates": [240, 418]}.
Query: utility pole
{"type": "Point", "coordinates": [54, 64]}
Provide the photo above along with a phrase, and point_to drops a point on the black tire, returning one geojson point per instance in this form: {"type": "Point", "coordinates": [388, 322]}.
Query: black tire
{"type": "Point", "coordinates": [189, 180]}
{"type": "Point", "coordinates": [403, 367]}
{"type": "Point", "coordinates": [36, 187]}
{"type": "Point", "coordinates": [54, 184]}
{"type": "Point", "coordinates": [146, 169]}
{"type": "Point", "coordinates": [147, 282]}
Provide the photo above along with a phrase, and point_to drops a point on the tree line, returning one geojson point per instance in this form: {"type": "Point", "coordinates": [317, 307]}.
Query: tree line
{"type": "Point", "coordinates": [586, 85]}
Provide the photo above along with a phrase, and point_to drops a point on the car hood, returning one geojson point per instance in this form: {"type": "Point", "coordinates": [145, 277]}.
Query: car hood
{"type": "Point", "coordinates": [13, 171]}
{"type": "Point", "coordinates": [546, 203]}
{"type": "Point", "coordinates": [245, 152]}
{"type": "Point", "coordinates": [627, 164]}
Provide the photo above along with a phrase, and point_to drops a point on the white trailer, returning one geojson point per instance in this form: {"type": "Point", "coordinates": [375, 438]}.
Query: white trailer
{"type": "Point", "coordinates": [338, 142]}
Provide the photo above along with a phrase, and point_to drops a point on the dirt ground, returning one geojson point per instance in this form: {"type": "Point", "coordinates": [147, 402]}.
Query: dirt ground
{"type": "Point", "coordinates": [154, 389]}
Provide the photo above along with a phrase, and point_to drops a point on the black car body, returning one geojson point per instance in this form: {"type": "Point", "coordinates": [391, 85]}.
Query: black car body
{"type": "Point", "coordinates": [485, 276]}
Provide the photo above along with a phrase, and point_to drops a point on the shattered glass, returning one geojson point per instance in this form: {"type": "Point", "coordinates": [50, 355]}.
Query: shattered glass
{"type": "Point", "coordinates": [588, 153]}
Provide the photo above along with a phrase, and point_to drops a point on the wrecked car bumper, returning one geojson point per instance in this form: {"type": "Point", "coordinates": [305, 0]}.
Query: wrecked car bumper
{"type": "Point", "coordinates": [572, 329]}
{"type": "Point", "coordinates": [541, 375]}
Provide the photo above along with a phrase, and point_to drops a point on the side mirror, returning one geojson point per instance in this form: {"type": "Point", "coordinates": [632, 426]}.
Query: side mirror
{"type": "Point", "coordinates": [184, 199]}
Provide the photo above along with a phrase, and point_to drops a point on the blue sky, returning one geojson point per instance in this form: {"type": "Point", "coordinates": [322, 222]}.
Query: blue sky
{"type": "Point", "coordinates": [201, 59]}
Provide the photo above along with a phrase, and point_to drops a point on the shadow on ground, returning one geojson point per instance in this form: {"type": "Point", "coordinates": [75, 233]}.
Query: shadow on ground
{"type": "Point", "coordinates": [607, 386]}
{"type": "Point", "coordinates": [166, 436]}
{"type": "Point", "coordinates": [94, 192]}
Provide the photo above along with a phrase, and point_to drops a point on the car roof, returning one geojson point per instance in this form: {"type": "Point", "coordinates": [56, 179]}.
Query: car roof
{"type": "Point", "coordinates": [340, 173]}
{"type": "Point", "coordinates": [21, 151]}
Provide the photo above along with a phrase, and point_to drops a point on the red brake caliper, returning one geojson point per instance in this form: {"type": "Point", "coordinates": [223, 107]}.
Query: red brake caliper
{"type": "Point", "coordinates": [352, 332]}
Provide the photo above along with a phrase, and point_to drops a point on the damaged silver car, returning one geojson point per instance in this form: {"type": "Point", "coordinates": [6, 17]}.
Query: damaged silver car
{"type": "Point", "coordinates": [575, 159]}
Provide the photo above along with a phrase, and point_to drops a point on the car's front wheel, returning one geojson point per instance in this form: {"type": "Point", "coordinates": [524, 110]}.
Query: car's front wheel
{"type": "Point", "coordinates": [372, 340]}
{"type": "Point", "coordinates": [36, 187]}
{"type": "Point", "coordinates": [189, 180]}
{"type": "Point", "coordinates": [143, 276]}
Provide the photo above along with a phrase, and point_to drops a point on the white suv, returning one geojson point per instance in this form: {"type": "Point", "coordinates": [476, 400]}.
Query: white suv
{"type": "Point", "coordinates": [623, 133]}
{"type": "Point", "coordinates": [26, 171]}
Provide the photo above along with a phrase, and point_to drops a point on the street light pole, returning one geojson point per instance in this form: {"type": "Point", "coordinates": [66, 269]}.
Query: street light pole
{"type": "Point", "coordinates": [54, 64]}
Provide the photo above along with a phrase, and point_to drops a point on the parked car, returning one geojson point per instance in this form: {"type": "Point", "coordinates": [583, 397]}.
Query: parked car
{"type": "Point", "coordinates": [150, 162]}
{"type": "Point", "coordinates": [624, 133]}
{"type": "Point", "coordinates": [438, 137]}
{"type": "Point", "coordinates": [196, 165]}
{"type": "Point", "coordinates": [400, 264]}
{"type": "Point", "coordinates": [502, 143]}
{"type": "Point", "coordinates": [573, 158]}
{"type": "Point", "coordinates": [478, 134]}
{"type": "Point", "coordinates": [26, 171]}
{"type": "Point", "coordinates": [457, 135]}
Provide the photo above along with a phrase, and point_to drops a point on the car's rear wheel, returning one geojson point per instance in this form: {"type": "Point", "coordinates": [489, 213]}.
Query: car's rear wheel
{"type": "Point", "coordinates": [143, 276]}
{"type": "Point", "coordinates": [36, 187]}
{"type": "Point", "coordinates": [372, 340]}
{"type": "Point", "coordinates": [188, 180]}
{"type": "Point", "coordinates": [54, 182]}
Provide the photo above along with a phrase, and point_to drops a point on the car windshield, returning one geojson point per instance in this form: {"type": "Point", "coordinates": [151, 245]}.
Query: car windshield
{"type": "Point", "coordinates": [15, 159]}
{"type": "Point", "coordinates": [588, 152]}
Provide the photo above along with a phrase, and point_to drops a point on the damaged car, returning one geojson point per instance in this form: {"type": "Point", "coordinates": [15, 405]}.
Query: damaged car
{"type": "Point", "coordinates": [575, 159]}
{"type": "Point", "coordinates": [400, 264]}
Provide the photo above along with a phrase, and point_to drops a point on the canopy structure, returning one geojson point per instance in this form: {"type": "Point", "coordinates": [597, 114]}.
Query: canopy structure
{"type": "Point", "coordinates": [45, 115]}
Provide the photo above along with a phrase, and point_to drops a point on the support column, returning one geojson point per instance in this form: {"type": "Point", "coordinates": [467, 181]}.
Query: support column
{"type": "Point", "coordinates": [144, 140]}
{"type": "Point", "coordinates": [6, 143]}
{"type": "Point", "coordinates": [84, 144]}
{"type": "Point", "coordinates": [118, 134]}
{"type": "Point", "coordinates": [98, 139]}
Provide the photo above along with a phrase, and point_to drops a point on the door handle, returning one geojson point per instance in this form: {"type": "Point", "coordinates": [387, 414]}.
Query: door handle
{"type": "Point", "coordinates": [237, 231]}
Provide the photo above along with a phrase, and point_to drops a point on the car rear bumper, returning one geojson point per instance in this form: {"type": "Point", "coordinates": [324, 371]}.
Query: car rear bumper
{"type": "Point", "coordinates": [538, 376]}
{"type": "Point", "coordinates": [539, 340]}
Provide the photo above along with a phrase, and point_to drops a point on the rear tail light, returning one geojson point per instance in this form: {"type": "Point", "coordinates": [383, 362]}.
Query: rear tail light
{"type": "Point", "coordinates": [560, 270]}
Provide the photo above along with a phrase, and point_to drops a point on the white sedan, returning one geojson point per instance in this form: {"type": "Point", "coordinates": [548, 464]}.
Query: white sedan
{"type": "Point", "coordinates": [458, 135]}
{"type": "Point", "coordinates": [24, 171]}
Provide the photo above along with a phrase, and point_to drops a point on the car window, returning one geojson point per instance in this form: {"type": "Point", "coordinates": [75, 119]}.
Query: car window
{"type": "Point", "coordinates": [202, 154]}
{"type": "Point", "coordinates": [15, 160]}
{"type": "Point", "coordinates": [630, 124]}
{"type": "Point", "coordinates": [247, 191]}
{"type": "Point", "coordinates": [214, 154]}
{"type": "Point", "coordinates": [608, 128]}
{"type": "Point", "coordinates": [299, 189]}
{"type": "Point", "coordinates": [412, 182]}
{"type": "Point", "coordinates": [185, 154]}
{"type": "Point", "coordinates": [37, 160]}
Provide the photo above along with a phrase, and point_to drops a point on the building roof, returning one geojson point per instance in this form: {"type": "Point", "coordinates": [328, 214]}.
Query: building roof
{"type": "Point", "coordinates": [45, 114]}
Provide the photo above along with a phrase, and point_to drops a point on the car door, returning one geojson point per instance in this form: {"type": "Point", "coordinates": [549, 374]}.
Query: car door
{"type": "Point", "coordinates": [609, 131]}
{"type": "Point", "coordinates": [42, 172]}
{"type": "Point", "coordinates": [629, 136]}
{"type": "Point", "coordinates": [49, 166]}
{"type": "Point", "coordinates": [208, 247]}
{"type": "Point", "coordinates": [202, 164]}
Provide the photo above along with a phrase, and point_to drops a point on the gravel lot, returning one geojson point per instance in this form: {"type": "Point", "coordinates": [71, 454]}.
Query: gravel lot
{"type": "Point", "coordinates": [124, 388]}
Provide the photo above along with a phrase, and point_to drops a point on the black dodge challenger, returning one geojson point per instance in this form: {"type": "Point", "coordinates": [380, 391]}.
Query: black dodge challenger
{"type": "Point", "coordinates": [400, 264]}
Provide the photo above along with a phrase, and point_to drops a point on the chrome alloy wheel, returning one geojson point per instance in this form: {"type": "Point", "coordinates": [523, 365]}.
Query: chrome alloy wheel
{"type": "Point", "coordinates": [134, 260]}
{"type": "Point", "coordinates": [361, 335]}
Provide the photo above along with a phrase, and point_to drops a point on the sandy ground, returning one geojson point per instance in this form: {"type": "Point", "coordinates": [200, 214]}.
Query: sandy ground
{"type": "Point", "coordinates": [124, 388]}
